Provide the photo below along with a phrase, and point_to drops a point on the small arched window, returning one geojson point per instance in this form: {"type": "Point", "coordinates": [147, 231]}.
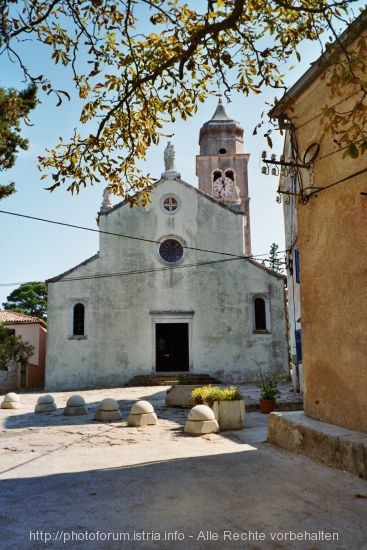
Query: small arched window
{"type": "Point", "coordinates": [217, 174]}
{"type": "Point", "coordinates": [78, 319]}
{"type": "Point", "coordinates": [230, 174]}
{"type": "Point", "coordinates": [260, 314]}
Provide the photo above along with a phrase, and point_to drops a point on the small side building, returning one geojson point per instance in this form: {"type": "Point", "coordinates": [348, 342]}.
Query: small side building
{"type": "Point", "coordinates": [33, 331]}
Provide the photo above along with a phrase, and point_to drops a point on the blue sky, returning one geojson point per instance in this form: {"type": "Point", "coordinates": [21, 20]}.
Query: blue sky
{"type": "Point", "coordinates": [32, 250]}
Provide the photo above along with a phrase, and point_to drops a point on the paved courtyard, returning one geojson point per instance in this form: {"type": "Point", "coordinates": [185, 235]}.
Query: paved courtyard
{"type": "Point", "coordinates": [75, 483]}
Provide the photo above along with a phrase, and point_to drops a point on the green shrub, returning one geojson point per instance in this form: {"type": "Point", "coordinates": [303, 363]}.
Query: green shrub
{"type": "Point", "coordinates": [209, 394]}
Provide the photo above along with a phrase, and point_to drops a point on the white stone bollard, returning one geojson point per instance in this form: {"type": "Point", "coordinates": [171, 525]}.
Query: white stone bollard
{"type": "Point", "coordinates": [108, 411]}
{"type": "Point", "coordinates": [45, 403]}
{"type": "Point", "coordinates": [75, 406]}
{"type": "Point", "coordinates": [201, 420]}
{"type": "Point", "coordinates": [11, 401]}
{"type": "Point", "coordinates": [142, 414]}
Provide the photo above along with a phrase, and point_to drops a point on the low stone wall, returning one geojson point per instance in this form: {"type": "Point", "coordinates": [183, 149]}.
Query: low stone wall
{"type": "Point", "coordinates": [332, 445]}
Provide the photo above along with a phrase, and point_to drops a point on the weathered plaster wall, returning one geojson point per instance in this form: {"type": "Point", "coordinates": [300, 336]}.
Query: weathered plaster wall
{"type": "Point", "coordinates": [333, 242]}
{"type": "Point", "coordinates": [120, 339]}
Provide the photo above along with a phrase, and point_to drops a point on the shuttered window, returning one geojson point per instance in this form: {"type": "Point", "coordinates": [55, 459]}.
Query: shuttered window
{"type": "Point", "coordinates": [298, 338]}
{"type": "Point", "coordinates": [297, 266]}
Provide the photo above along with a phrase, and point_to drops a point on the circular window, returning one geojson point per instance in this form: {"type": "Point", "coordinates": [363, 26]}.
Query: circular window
{"type": "Point", "coordinates": [170, 204]}
{"type": "Point", "coordinates": [171, 251]}
{"type": "Point", "coordinates": [222, 151]}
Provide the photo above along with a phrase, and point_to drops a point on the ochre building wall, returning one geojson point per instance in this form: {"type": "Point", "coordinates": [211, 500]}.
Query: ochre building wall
{"type": "Point", "coordinates": [332, 237]}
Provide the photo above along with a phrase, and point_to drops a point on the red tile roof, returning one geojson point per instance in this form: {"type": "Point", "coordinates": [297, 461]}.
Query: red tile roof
{"type": "Point", "coordinates": [13, 317]}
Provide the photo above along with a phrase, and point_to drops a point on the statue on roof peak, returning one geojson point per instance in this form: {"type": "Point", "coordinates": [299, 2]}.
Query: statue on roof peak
{"type": "Point", "coordinates": [169, 157]}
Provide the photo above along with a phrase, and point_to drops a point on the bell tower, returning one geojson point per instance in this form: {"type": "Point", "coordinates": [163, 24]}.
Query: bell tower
{"type": "Point", "coordinates": [221, 166]}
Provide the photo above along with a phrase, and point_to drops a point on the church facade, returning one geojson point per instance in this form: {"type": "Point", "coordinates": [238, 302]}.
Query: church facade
{"type": "Point", "coordinates": [172, 289]}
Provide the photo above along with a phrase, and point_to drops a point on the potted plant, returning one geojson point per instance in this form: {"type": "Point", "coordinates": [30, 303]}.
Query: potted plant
{"type": "Point", "coordinates": [267, 382]}
{"type": "Point", "coordinates": [227, 403]}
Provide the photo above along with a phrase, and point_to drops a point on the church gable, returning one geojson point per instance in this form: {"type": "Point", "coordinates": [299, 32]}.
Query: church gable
{"type": "Point", "coordinates": [178, 213]}
{"type": "Point", "coordinates": [169, 291]}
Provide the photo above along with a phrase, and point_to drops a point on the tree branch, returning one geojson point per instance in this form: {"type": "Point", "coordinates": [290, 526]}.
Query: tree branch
{"type": "Point", "coordinates": [31, 24]}
{"type": "Point", "coordinates": [305, 9]}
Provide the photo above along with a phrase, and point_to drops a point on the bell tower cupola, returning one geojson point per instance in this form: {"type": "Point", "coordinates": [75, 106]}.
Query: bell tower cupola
{"type": "Point", "coordinates": [221, 166]}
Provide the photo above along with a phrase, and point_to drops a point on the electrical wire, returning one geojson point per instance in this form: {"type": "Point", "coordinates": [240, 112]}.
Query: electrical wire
{"type": "Point", "coordinates": [152, 241]}
{"type": "Point", "coordinates": [142, 271]}
{"type": "Point", "coordinates": [318, 190]}
{"type": "Point", "coordinates": [139, 271]}
{"type": "Point", "coordinates": [142, 239]}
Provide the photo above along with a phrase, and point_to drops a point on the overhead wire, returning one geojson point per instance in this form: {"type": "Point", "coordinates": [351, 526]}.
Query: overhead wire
{"type": "Point", "coordinates": [142, 239]}
{"type": "Point", "coordinates": [317, 190]}
{"type": "Point", "coordinates": [143, 271]}
{"type": "Point", "coordinates": [231, 257]}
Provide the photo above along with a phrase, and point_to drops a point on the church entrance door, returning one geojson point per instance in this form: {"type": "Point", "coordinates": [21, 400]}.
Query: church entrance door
{"type": "Point", "coordinates": [172, 347]}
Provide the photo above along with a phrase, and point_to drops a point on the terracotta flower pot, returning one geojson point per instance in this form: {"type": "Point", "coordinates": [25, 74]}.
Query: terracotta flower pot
{"type": "Point", "coordinates": [267, 405]}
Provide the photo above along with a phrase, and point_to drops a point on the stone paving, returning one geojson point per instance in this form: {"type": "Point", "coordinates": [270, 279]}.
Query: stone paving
{"type": "Point", "coordinates": [75, 483]}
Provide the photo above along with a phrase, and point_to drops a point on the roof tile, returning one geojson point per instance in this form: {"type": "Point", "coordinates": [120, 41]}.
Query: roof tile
{"type": "Point", "coordinates": [15, 317]}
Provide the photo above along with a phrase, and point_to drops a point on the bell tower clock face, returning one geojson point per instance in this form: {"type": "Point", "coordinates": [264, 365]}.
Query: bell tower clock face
{"type": "Point", "coordinates": [223, 187]}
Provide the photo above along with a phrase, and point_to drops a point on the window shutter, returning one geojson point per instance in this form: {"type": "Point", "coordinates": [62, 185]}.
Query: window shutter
{"type": "Point", "coordinates": [297, 266]}
{"type": "Point", "coordinates": [298, 336]}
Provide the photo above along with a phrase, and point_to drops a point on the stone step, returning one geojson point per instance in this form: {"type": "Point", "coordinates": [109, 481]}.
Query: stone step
{"type": "Point", "coordinates": [332, 445]}
{"type": "Point", "coordinates": [170, 379]}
